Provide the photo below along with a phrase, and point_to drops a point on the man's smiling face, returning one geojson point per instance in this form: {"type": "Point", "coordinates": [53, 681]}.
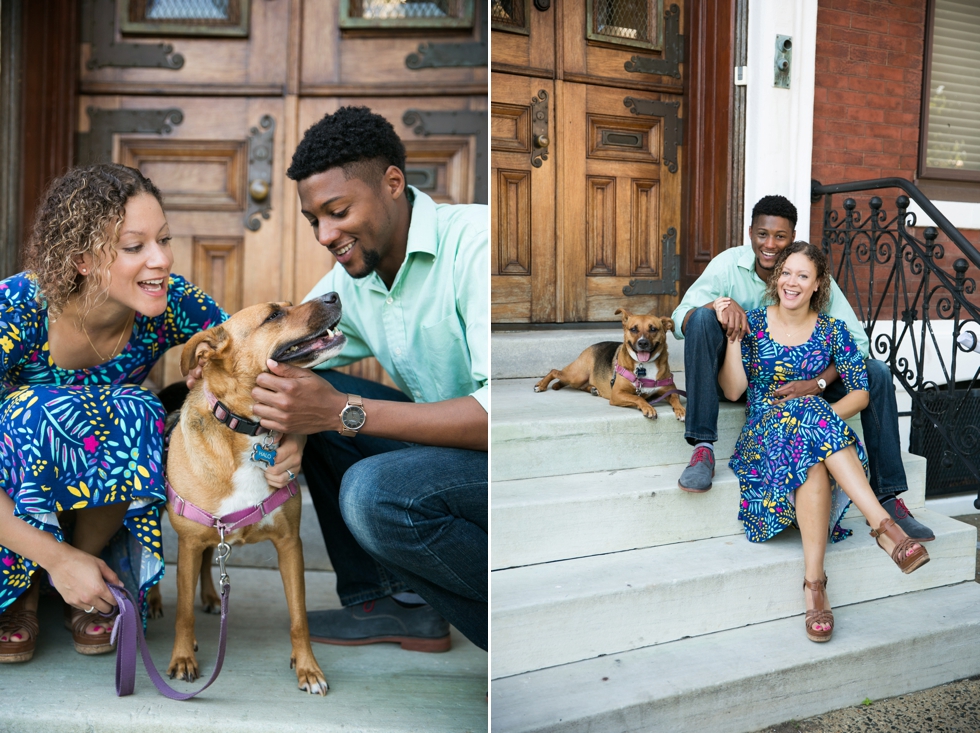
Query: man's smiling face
{"type": "Point", "coordinates": [769, 236]}
{"type": "Point", "coordinates": [352, 218]}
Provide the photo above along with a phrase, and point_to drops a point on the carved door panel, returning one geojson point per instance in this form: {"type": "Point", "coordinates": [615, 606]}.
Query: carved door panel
{"type": "Point", "coordinates": [522, 262]}
{"type": "Point", "coordinates": [621, 202]}
{"type": "Point", "coordinates": [606, 234]}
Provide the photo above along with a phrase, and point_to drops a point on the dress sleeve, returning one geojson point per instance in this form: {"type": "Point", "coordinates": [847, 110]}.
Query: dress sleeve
{"type": "Point", "coordinates": [20, 319]}
{"type": "Point", "coordinates": [847, 357]}
{"type": "Point", "coordinates": [189, 310]}
{"type": "Point", "coordinates": [751, 339]}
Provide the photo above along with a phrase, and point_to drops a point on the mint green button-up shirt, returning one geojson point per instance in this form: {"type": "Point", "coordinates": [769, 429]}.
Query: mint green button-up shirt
{"type": "Point", "coordinates": [431, 331]}
{"type": "Point", "coordinates": [732, 274]}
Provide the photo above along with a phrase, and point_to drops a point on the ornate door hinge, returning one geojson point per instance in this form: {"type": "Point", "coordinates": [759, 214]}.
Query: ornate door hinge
{"type": "Point", "coordinates": [669, 65]}
{"type": "Point", "coordinates": [259, 173]}
{"type": "Point", "coordinates": [667, 285]}
{"type": "Point", "coordinates": [99, 30]}
{"type": "Point", "coordinates": [95, 146]}
{"type": "Point", "coordinates": [673, 125]}
{"type": "Point", "coordinates": [438, 55]}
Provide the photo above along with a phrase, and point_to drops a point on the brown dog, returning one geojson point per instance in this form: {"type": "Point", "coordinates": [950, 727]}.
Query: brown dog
{"type": "Point", "coordinates": [209, 464]}
{"type": "Point", "coordinates": [644, 345]}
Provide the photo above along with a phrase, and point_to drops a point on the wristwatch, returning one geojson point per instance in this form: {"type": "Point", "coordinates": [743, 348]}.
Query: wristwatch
{"type": "Point", "coordinates": [352, 417]}
{"type": "Point", "coordinates": [822, 383]}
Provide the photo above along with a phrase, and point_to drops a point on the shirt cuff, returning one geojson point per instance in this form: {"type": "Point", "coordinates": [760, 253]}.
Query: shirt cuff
{"type": "Point", "coordinates": [482, 396]}
{"type": "Point", "coordinates": [679, 315]}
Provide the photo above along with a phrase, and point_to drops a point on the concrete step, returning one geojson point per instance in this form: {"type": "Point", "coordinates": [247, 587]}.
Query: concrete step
{"type": "Point", "coordinates": [564, 432]}
{"type": "Point", "coordinates": [748, 678]}
{"type": "Point", "coordinates": [524, 354]}
{"type": "Point", "coordinates": [378, 688]}
{"type": "Point", "coordinates": [561, 612]}
{"type": "Point", "coordinates": [612, 511]}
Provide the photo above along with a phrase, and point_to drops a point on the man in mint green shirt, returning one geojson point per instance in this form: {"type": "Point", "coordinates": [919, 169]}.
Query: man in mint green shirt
{"type": "Point", "coordinates": [713, 310]}
{"type": "Point", "coordinates": [399, 478]}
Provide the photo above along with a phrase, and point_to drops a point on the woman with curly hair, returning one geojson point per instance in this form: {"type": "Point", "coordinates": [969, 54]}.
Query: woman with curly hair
{"type": "Point", "coordinates": [797, 460]}
{"type": "Point", "coordinates": [80, 443]}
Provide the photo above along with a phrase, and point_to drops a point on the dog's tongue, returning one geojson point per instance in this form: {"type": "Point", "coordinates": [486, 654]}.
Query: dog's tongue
{"type": "Point", "coordinates": [643, 356]}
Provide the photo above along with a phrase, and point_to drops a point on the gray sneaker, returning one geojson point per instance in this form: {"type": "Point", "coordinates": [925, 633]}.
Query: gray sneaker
{"type": "Point", "coordinates": [417, 628]}
{"type": "Point", "coordinates": [699, 472]}
{"type": "Point", "coordinates": [903, 518]}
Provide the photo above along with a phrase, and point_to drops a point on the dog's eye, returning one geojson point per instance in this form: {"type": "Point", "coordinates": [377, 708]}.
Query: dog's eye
{"type": "Point", "coordinates": [634, 329]}
{"type": "Point", "coordinates": [274, 315]}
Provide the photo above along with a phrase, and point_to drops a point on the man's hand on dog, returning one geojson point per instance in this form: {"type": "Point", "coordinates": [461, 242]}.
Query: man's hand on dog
{"type": "Point", "coordinates": [289, 458]}
{"type": "Point", "coordinates": [732, 318]}
{"type": "Point", "coordinates": [296, 401]}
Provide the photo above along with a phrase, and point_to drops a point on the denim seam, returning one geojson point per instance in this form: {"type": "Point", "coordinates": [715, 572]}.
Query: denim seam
{"type": "Point", "coordinates": [482, 597]}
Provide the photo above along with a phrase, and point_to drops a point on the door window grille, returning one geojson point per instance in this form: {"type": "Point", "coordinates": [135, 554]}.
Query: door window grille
{"type": "Point", "coordinates": [626, 22]}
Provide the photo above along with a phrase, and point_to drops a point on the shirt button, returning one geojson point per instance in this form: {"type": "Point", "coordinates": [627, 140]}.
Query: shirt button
{"type": "Point", "coordinates": [418, 394]}
{"type": "Point", "coordinates": [398, 352]}
{"type": "Point", "coordinates": [390, 301]}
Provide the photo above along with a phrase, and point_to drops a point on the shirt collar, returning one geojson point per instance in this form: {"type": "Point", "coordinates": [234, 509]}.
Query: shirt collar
{"type": "Point", "coordinates": [746, 258]}
{"type": "Point", "coordinates": [422, 237]}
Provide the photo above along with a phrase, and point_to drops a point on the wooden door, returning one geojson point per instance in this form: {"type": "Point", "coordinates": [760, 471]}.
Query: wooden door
{"type": "Point", "coordinates": [614, 137]}
{"type": "Point", "coordinates": [211, 109]}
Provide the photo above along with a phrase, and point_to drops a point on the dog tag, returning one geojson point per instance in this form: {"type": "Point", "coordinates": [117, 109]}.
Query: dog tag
{"type": "Point", "coordinates": [641, 371]}
{"type": "Point", "coordinates": [264, 454]}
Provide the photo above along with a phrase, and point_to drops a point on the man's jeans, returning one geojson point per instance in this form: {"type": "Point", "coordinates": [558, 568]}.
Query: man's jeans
{"type": "Point", "coordinates": [704, 352]}
{"type": "Point", "coordinates": [397, 516]}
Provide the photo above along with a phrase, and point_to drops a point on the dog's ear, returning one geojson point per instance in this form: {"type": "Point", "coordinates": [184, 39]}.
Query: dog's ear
{"type": "Point", "coordinates": [626, 314]}
{"type": "Point", "coordinates": [203, 347]}
{"type": "Point", "coordinates": [668, 324]}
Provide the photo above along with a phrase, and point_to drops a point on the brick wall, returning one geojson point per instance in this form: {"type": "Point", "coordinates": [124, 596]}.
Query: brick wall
{"type": "Point", "coordinates": [867, 100]}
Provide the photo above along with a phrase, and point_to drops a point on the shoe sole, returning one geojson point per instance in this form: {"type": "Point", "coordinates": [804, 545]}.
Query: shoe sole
{"type": "Point", "coordinates": [696, 491]}
{"type": "Point", "coordinates": [408, 643]}
{"type": "Point", "coordinates": [14, 658]}
{"type": "Point", "coordinates": [91, 650]}
{"type": "Point", "coordinates": [818, 639]}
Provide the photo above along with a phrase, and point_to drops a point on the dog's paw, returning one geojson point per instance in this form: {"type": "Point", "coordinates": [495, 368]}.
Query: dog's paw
{"type": "Point", "coordinates": [154, 603]}
{"type": "Point", "coordinates": [680, 414]}
{"type": "Point", "coordinates": [537, 388]}
{"type": "Point", "coordinates": [310, 679]}
{"type": "Point", "coordinates": [652, 415]}
{"type": "Point", "coordinates": [183, 668]}
{"type": "Point", "coordinates": [594, 391]}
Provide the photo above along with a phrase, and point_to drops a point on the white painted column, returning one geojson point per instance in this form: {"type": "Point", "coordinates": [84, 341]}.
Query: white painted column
{"type": "Point", "coordinates": [779, 122]}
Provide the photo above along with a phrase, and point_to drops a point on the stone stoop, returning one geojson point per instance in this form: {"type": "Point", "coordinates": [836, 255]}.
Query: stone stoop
{"type": "Point", "coordinates": [621, 602]}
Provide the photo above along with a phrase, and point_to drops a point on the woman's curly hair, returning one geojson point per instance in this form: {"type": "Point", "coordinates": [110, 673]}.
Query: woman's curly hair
{"type": "Point", "coordinates": [821, 296]}
{"type": "Point", "coordinates": [81, 212]}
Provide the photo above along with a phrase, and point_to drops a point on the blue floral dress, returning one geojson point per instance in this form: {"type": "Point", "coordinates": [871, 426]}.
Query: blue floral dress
{"type": "Point", "coordinates": [71, 439]}
{"type": "Point", "coordinates": [779, 443]}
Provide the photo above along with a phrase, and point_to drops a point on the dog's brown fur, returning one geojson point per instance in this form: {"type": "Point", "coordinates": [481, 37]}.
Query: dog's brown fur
{"type": "Point", "coordinates": [205, 456]}
{"type": "Point", "coordinates": [593, 370]}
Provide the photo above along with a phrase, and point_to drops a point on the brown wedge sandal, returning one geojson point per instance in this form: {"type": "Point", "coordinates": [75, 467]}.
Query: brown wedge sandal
{"type": "Point", "coordinates": [903, 543]}
{"type": "Point", "coordinates": [88, 644]}
{"type": "Point", "coordinates": [18, 651]}
{"type": "Point", "coordinates": [818, 616]}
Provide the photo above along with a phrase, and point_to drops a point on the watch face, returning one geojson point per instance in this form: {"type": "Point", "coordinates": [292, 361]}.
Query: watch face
{"type": "Point", "coordinates": [352, 417]}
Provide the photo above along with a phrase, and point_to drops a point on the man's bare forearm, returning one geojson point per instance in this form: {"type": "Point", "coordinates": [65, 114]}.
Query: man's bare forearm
{"type": "Point", "coordinates": [456, 423]}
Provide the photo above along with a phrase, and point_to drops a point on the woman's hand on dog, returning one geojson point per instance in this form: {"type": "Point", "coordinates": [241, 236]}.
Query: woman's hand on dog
{"type": "Point", "coordinates": [289, 459]}
{"type": "Point", "coordinates": [81, 580]}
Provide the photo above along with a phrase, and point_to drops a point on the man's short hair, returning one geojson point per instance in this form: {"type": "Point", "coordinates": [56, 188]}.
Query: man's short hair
{"type": "Point", "coordinates": [356, 139]}
{"type": "Point", "coordinates": [775, 206]}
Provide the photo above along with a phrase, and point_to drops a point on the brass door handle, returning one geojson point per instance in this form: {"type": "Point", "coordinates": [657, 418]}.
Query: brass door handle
{"type": "Point", "coordinates": [258, 190]}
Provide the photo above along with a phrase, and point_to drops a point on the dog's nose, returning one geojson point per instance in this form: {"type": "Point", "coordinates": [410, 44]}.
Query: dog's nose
{"type": "Point", "coordinates": [330, 298]}
{"type": "Point", "coordinates": [643, 343]}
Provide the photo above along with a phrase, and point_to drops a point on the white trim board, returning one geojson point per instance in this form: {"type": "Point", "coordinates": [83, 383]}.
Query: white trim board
{"type": "Point", "coordinates": [961, 214]}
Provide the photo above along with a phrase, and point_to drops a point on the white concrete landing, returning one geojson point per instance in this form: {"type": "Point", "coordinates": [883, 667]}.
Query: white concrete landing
{"type": "Point", "coordinates": [747, 678]}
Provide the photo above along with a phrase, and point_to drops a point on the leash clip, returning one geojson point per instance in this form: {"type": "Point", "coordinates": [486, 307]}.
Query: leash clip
{"type": "Point", "coordinates": [224, 552]}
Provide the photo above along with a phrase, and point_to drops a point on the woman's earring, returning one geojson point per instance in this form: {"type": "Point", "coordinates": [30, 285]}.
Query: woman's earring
{"type": "Point", "coordinates": [84, 271]}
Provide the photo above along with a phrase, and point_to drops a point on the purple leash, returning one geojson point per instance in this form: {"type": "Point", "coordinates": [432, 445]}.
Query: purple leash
{"type": "Point", "coordinates": [128, 635]}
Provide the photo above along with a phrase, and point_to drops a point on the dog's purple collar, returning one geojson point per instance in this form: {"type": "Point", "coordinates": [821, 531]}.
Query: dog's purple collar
{"type": "Point", "coordinates": [235, 520]}
{"type": "Point", "coordinates": [228, 418]}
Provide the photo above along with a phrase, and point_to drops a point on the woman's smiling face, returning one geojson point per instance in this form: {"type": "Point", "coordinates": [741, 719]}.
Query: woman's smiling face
{"type": "Point", "coordinates": [797, 281]}
{"type": "Point", "coordinates": [139, 274]}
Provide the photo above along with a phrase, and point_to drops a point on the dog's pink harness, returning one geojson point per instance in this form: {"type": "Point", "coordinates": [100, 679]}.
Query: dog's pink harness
{"type": "Point", "coordinates": [235, 520]}
{"type": "Point", "coordinates": [641, 383]}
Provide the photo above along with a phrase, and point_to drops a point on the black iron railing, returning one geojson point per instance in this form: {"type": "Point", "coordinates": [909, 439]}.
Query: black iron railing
{"type": "Point", "coordinates": [905, 290]}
